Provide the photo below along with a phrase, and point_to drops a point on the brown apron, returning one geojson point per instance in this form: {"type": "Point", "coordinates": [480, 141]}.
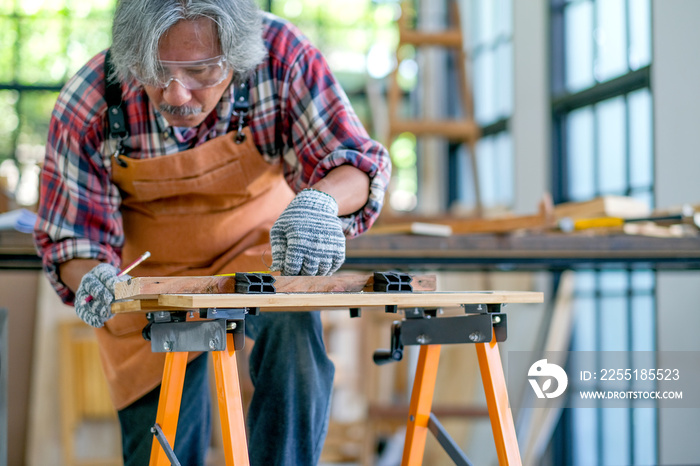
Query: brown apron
{"type": "Point", "coordinates": [203, 211]}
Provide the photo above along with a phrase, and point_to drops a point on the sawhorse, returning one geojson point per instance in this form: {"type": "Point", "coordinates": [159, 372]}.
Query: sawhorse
{"type": "Point", "coordinates": [222, 333]}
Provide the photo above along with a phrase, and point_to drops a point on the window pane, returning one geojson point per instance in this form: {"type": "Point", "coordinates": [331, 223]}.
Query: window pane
{"type": "Point", "coordinates": [41, 52]}
{"type": "Point", "coordinates": [504, 83]}
{"type": "Point", "coordinates": [88, 36]}
{"type": "Point", "coordinates": [585, 324]}
{"type": "Point", "coordinates": [643, 281]}
{"type": "Point", "coordinates": [612, 163]}
{"type": "Point", "coordinates": [484, 89]}
{"type": "Point", "coordinates": [640, 33]}
{"type": "Point", "coordinates": [579, 146]}
{"type": "Point", "coordinates": [584, 428]}
{"type": "Point", "coordinates": [495, 162]}
{"type": "Point", "coordinates": [504, 14]}
{"type": "Point", "coordinates": [643, 323]}
{"type": "Point", "coordinates": [610, 40]}
{"type": "Point", "coordinates": [35, 108]}
{"type": "Point", "coordinates": [641, 162]}
{"type": "Point", "coordinates": [8, 122]}
{"type": "Point", "coordinates": [485, 156]}
{"type": "Point", "coordinates": [613, 282]}
{"type": "Point", "coordinates": [505, 179]}
{"type": "Point", "coordinates": [8, 35]}
{"type": "Point", "coordinates": [585, 282]}
{"type": "Point", "coordinates": [464, 189]}
{"type": "Point", "coordinates": [578, 23]}
{"type": "Point", "coordinates": [616, 436]}
{"type": "Point", "coordinates": [613, 333]}
{"type": "Point", "coordinates": [643, 423]}
{"type": "Point", "coordinates": [484, 22]}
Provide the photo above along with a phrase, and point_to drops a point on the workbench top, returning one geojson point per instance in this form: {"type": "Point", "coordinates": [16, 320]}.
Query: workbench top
{"type": "Point", "coordinates": [521, 251]}
{"type": "Point", "coordinates": [514, 251]}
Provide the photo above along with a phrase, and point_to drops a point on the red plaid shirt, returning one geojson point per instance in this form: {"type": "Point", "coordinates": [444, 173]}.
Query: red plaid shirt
{"type": "Point", "coordinates": [299, 116]}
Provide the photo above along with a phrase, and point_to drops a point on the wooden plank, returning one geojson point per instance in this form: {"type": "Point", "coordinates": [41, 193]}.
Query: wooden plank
{"type": "Point", "coordinates": [137, 305]}
{"type": "Point", "coordinates": [453, 130]}
{"type": "Point", "coordinates": [544, 219]}
{"type": "Point", "coordinates": [412, 228]}
{"type": "Point", "coordinates": [344, 300]}
{"type": "Point", "coordinates": [612, 206]}
{"type": "Point", "coordinates": [151, 287]}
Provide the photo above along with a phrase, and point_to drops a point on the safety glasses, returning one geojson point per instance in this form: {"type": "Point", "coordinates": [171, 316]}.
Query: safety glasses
{"type": "Point", "coordinates": [192, 75]}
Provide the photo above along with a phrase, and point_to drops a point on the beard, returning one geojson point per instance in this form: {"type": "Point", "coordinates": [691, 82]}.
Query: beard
{"type": "Point", "coordinates": [183, 111]}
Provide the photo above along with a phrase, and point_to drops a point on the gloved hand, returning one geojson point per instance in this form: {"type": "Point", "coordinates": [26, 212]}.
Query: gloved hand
{"type": "Point", "coordinates": [98, 283]}
{"type": "Point", "coordinates": [308, 239]}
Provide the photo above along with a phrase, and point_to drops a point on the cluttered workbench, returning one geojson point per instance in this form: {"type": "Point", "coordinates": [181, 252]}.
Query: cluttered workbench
{"type": "Point", "coordinates": [604, 232]}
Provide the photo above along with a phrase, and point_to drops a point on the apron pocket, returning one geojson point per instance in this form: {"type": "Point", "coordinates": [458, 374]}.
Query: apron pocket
{"type": "Point", "coordinates": [223, 180]}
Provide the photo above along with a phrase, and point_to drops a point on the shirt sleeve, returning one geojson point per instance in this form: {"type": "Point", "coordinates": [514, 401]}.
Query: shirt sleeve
{"type": "Point", "coordinates": [323, 132]}
{"type": "Point", "coordinates": [78, 214]}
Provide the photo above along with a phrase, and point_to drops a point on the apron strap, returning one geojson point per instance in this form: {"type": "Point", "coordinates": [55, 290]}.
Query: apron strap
{"type": "Point", "coordinates": [116, 116]}
{"type": "Point", "coordinates": [241, 106]}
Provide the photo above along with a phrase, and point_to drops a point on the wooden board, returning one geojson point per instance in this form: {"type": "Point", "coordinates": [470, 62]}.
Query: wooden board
{"type": "Point", "coordinates": [291, 301]}
{"type": "Point", "coordinates": [440, 226]}
{"type": "Point", "coordinates": [152, 287]}
{"type": "Point", "coordinates": [610, 206]}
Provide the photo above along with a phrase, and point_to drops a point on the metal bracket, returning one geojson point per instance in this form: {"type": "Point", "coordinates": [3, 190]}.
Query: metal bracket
{"type": "Point", "coordinates": [209, 335]}
{"type": "Point", "coordinates": [447, 330]}
{"type": "Point", "coordinates": [250, 283]}
{"type": "Point", "coordinates": [475, 308]}
{"type": "Point", "coordinates": [448, 444]}
{"type": "Point", "coordinates": [223, 313]}
{"type": "Point", "coordinates": [158, 432]}
{"type": "Point", "coordinates": [500, 326]}
{"type": "Point", "coordinates": [391, 282]}
{"type": "Point", "coordinates": [420, 312]}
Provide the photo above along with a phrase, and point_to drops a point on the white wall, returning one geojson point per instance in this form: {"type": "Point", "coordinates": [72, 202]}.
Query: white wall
{"type": "Point", "coordinates": [530, 124]}
{"type": "Point", "coordinates": [676, 94]}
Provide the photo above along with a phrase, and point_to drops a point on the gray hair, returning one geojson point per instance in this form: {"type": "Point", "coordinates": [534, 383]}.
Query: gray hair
{"type": "Point", "coordinates": [139, 24]}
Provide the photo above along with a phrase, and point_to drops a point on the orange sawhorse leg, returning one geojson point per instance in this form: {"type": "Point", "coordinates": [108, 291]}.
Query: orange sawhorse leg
{"type": "Point", "coordinates": [421, 405]}
{"type": "Point", "coordinates": [169, 404]}
{"type": "Point", "coordinates": [497, 401]}
{"type": "Point", "coordinates": [228, 392]}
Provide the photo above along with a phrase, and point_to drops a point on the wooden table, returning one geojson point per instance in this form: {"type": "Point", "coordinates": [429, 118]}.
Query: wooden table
{"type": "Point", "coordinates": [521, 251]}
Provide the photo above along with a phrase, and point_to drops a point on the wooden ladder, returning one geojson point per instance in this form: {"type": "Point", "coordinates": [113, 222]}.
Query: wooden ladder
{"type": "Point", "coordinates": [464, 130]}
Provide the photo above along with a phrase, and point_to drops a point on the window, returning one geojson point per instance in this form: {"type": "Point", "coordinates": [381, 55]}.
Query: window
{"type": "Point", "coordinates": [603, 145]}
{"type": "Point", "coordinates": [52, 40]}
{"type": "Point", "coordinates": [490, 51]}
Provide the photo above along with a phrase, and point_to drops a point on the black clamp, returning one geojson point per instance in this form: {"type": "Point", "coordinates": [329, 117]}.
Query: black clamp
{"type": "Point", "coordinates": [255, 283]}
{"type": "Point", "coordinates": [392, 282]}
{"type": "Point", "coordinates": [395, 351]}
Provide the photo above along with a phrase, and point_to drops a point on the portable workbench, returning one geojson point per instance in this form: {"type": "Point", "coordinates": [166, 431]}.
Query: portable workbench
{"type": "Point", "coordinates": [181, 322]}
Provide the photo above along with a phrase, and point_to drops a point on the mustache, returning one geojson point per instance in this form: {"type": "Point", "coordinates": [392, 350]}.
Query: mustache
{"type": "Point", "coordinates": [180, 110]}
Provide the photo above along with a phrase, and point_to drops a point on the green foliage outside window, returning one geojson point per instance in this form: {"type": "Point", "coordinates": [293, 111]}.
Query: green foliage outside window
{"type": "Point", "coordinates": [45, 42]}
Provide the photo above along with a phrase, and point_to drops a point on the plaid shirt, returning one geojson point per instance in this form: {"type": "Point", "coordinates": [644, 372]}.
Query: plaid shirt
{"type": "Point", "coordinates": [299, 115]}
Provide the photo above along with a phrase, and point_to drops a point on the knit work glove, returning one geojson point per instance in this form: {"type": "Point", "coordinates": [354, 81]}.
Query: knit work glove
{"type": "Point", "coordinates": [308, 239]}
{"type": "Point", "coordinates": [93, 300]}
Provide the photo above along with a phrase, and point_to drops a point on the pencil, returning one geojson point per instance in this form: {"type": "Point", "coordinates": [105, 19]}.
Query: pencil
{"type": "Point", "coordinates": [128, 269]}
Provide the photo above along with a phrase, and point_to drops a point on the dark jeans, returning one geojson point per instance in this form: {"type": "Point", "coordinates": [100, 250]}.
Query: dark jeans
{"type": "Point", "coordinates": [193, 427]}
{"type": "Point", "coordinates": [288, 414]}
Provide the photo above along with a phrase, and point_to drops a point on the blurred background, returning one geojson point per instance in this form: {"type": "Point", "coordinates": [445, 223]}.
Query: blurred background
{"type": "Point", "coordinates": [575, 99]}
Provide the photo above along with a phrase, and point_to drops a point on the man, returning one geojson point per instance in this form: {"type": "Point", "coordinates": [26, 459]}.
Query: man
{"type": "Point", "coordinates": [238, 140]}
